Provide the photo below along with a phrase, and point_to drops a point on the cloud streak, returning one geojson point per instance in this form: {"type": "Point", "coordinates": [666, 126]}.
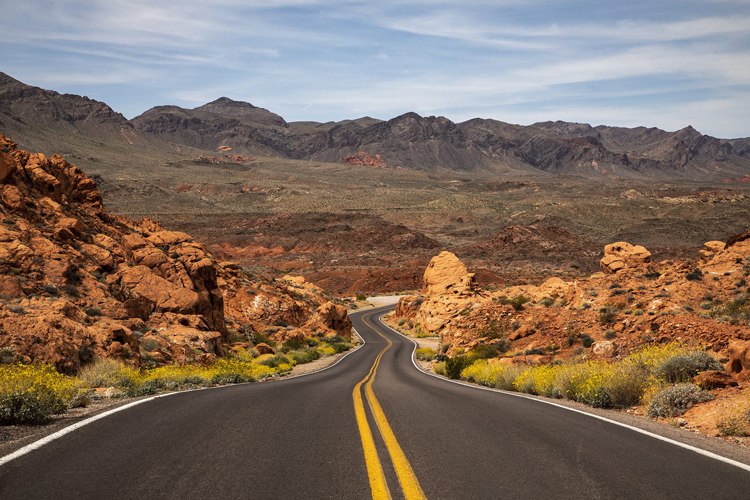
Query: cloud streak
{"type": "Point", "coordinates": [318, 60]}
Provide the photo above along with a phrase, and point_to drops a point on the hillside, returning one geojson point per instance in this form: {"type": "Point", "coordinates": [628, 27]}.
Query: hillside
{"type": "Point", "coordinates": [77, 282]}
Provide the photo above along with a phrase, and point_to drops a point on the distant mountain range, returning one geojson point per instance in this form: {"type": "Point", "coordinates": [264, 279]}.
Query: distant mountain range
{"type": "Point", "coordinates": [43, 119]}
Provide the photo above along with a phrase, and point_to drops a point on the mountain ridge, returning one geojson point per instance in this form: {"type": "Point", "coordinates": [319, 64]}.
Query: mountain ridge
{"type": "Point", "coordinates": [432, 143]}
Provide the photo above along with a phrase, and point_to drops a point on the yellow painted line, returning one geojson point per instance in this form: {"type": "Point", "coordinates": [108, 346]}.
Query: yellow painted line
{"type": "Point", "coordinates": [378, 485]}
{"type": "Point", "coordinates": [406, 477]}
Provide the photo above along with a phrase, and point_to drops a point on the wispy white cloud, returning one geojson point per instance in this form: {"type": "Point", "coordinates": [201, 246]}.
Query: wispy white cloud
{"type": "Point", "coordinates": [320, 59]}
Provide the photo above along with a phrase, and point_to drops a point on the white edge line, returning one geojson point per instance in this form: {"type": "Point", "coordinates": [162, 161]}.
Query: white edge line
{"type": "Point", "coordinates": [56, 435]}
{"type": "Point", "coordinates": [65, 430]}
{"type": "Point", "coordinates": [695, 449]}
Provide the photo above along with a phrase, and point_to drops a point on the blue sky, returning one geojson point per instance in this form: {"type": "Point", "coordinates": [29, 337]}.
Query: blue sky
{"type": "Point", "coordinates": [660, 63]}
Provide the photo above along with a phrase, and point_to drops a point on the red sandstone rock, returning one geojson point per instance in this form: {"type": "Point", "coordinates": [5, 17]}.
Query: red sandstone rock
{"type": "Point", "coordinates": [264, 348]}
{"type": "Point", "coordinates": [714, 379]}
{"type": "Point", "coordinates": [621, 255]}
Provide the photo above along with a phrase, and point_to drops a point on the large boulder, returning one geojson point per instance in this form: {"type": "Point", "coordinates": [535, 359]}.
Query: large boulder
{"type": "Point", "coordinates": [447, 274]}
{"type": "Point", "coordinates": [331, 319]}
{"type": "Point", "coordinates": [711, 248]}
{"type": "Point", "coordinates": [621, 255]}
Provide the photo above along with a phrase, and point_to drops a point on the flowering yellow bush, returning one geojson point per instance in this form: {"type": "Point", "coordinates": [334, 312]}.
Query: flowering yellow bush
{"type": "Point", "coordinates": [618, 384]}
{"type": "Point", "coordinates": [33, 393]}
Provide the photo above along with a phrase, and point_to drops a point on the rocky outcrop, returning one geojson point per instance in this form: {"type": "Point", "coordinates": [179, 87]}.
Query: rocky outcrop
{"type": "Point", "coordinates": [604, 315]}
{"type": "Point", "coordinates": [621, 255]}
{"type": "Point", "coordinates": [363, 159]}
{"type": "Point", "coordinates": [731, 257]}
{"type": "Point", "coordinates": [88, 277]}
{"type": "Point", "coordinates": [330, 319]}
{"type": "Point", "coordinates": [447, 274]}
{"type": "Point", "coordinates": [710, 249]}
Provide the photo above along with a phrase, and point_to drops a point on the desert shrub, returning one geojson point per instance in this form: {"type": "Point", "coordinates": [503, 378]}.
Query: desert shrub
{"type": "Point", "coordinates": [694, 275]}
{"type": "Point", "coordinates": [455, 365]}
{"type": "Point", "coordinates": [303, 356]}
{"type": "Point", "coordinates": [516, 302]}
{"type": "Point", "coordinates": [361, 296]}
{"type": "Point", "coordinates": [683, 367]}
{"type": "Point", "coordinates": [71, 290]}
{"type": "Point", "coordinates": [50, 289]}
{"type": "Point", "coordinates": [425, 354]}
{"type": "Point", "coordinates": [292, 345]}
{"type": "Point", "coordinates": [607, 314]}
{"type": "Point", "coordinates": [501, 345]}
{"type": "Point", "coordinates": [547, 301]}
{"type": "Point", "coordinates": [32, 394]}
{"type": "Point", "coordinates": [586, 340]}
{"type": "Point", "coordinates": [275, 360]}
{"type": "Point", "coordinates": [609, 334]}
{"type": "Point", "coordinates": [482, 351]}
{"type": "Point", "coordinates": [625, 384]}
{"type": "Point", "coordinates": [109, 373]}
{"type": "Point", "coordinates": [7, 354]}
{"type": "Point", "coordinates": [401, 322]}
{"type": "Point", "coordinates": [439, 368]}
{"type": "Point", "coordinates": [676, 400]}
{"type": "Point", "coordinates": [731, 423]}
{"type": "Point", "coordinates": [541, 380]}
{"type": "Point", "coordinates": [733, 311]}
{"type": "Point", "coordinates": [339, 347]}
{"type": "Point", "coordinates": [333, 339]}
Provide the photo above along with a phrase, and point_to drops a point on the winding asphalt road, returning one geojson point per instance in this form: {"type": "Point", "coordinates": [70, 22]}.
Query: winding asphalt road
{"type": "Point", "coordinates": [307, 437]}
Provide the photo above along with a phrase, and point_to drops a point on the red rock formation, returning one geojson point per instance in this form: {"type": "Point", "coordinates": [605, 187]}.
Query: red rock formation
{"type": "Point", "coordinates": [77, 283]}
{"type": "Point", "coordinates": [365, 160]}
{"type": "Point", "coordinates": [620, 255]}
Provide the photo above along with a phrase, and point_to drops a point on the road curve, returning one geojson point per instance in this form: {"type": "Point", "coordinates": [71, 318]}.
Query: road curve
{"type": "Point", "coordinates": [302, 438]}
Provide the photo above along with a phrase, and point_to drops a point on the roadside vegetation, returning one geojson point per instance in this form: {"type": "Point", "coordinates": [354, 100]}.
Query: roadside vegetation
{"type": "Point", "coordinates": [647, 376]}
{"type": "Point", "coordinates": [34, 393]}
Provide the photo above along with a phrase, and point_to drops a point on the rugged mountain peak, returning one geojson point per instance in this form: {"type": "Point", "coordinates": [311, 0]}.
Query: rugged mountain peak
{"type": "Point", "coordinates": [242, 110]}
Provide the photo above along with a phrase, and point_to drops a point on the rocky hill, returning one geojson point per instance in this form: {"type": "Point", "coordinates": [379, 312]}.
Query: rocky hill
{"type": "Point", "coordinates": [42, 117]}
{"type": "Point", "coordinates": [629, 303]}
{"type": "Point", "coordinates": [76, 282]}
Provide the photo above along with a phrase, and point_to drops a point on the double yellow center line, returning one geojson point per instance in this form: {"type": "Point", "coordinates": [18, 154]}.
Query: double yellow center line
{"type": "Point", "coordinates": [406, 478]}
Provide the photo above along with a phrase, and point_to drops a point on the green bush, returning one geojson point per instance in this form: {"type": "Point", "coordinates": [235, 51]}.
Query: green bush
{"type": "Point", "coordinates": [303, 356]}
{"type": "Point", "coordinates": [547, 301]}
{"type": "Point", "coordinates": [276, 360]}
{"type": "Point", "coordinates": [482, 351]}
{"type": "Point", "coordinates": [694, 275]}
{"type": "Point", "coordinates": [335, 339]}
{"type": "Point", "coordinates": [455, 365]}
{"type": "Point", "coordinates": [292, 345]}
{"type": "Point", "coordinates": [676, 400]}
{"type": "Point", "coordinates": [684, 367]}
{"type": "Point", "coordinates": [340, 346]}
{"type": "Point", "coordinates": [425, 354]}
